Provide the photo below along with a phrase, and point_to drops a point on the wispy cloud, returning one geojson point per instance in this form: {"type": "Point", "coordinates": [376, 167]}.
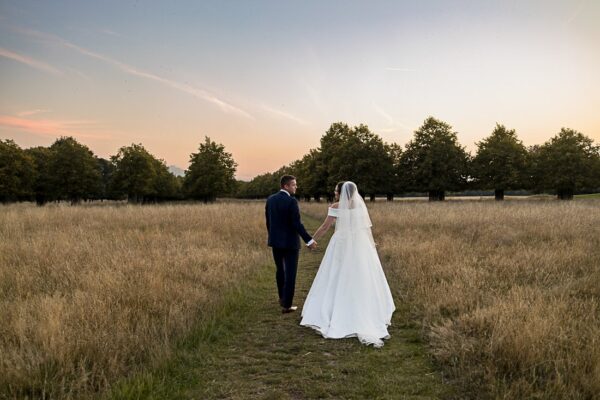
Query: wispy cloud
{"type": "Point", "coordinates": [79, 74]}
{"type": "Point", "coordinates": [284, 114]}
{"type": "Point", "coordinates": [129, 69]}
{"type": "Point", "coordinates": [384, 114]}
{"type": "Point", "coordinates": [32, 62]}
{"type": "Point", "coordinates": [111, 32]}
{"type": "Point", "coordinates": [393, 125]}
{"type": "Point", "coordinates": [27, 113]}
{"type": "Point", "coordinates": [46, 127]}
{"type": "Point", "coordinates": [576, 12]}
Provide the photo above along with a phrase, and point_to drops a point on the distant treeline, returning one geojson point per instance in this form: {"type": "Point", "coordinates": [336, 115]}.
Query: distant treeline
{"type": "Point", "coordinates": [432, 162]}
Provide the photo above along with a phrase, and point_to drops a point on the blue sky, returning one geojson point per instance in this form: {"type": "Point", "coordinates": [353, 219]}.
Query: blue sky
{"type": "Point", "coordinates": [267, 78]}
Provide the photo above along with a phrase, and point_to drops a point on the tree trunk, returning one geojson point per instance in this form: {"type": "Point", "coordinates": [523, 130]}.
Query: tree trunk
{"type": "Point", "coordinates": [317, 198]}
{"type": "Point", "coordinates": [437, 195]}
{"type": "Point", "coordinates": [390, 197]}
{"type": "Point", "coordinates": [499, 194]}
{"type": "Point", "coordinates": [307, 198]}
{"type": "Point", "coordinates": [372, 197]}
{"type": "Point", "coordinates": [565, 194]}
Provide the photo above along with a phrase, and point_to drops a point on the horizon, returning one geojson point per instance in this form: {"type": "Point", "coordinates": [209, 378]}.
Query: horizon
{"type": "Point", "coordinates": [267, 79]}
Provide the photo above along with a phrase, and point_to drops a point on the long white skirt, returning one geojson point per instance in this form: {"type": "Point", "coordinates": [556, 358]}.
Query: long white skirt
{"type": "Point", "coordinates": [350, 296]}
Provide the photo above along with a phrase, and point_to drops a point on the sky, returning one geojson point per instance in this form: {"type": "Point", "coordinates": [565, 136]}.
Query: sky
{"type": "Point", "coordinates": [267, 78]}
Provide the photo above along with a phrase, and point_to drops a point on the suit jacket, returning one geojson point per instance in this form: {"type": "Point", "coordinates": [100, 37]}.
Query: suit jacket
{"type": "Point", "coordinates": [283, 222]}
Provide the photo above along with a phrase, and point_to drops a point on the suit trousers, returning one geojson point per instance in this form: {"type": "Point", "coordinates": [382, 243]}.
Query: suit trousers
{"type": "Point", "coordinates": [286, 261]}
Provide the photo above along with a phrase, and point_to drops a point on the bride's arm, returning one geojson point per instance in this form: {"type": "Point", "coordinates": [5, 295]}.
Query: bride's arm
{"type": "Point", "coordinates": [324, 227]}
{"type": "Point", "coordinates": [329, 220]}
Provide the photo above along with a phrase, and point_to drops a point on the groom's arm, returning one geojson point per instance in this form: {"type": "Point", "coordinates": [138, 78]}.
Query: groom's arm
{"type": "Point", "coordinates": [297, 223]}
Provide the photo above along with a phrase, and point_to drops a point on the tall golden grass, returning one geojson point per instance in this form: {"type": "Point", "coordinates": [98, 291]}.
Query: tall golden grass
{"type": "Point", "coordinates": [90, 293]}
{"type": "Point", "coordinates": [508, 292]}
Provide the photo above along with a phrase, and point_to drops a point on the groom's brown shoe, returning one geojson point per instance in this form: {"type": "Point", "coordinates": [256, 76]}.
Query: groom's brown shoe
{"type": "Point", "coordinates": [289, 310]}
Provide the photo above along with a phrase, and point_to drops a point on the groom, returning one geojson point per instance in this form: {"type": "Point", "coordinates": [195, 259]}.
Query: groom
{"type": "Point", "coordinates": [284, 226]}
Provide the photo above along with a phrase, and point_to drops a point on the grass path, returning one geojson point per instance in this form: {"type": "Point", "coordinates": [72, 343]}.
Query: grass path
{"type": "Point", "coordinates": [247, 349]}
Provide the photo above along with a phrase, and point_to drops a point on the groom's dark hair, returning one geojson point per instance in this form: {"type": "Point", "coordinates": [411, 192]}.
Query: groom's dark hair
{"type": "Point", "coordinates": [286, 179]}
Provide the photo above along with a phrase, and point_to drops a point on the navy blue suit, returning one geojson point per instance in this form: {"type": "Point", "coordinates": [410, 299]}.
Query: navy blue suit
{"type": "Point", "coordinates": [284, 225]}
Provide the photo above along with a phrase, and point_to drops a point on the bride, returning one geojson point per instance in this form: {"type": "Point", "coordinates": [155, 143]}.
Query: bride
{"type": "Point", "coordinates": [350, 296]}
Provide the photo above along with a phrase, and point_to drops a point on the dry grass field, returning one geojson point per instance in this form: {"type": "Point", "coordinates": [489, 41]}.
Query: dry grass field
{"type": "Point", "coordinates": [508, 293]}
{"type": "Point", "coordinates": [89, 294]}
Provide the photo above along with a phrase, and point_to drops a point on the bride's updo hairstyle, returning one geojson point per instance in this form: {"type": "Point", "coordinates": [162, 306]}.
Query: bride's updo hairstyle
{"type": "Point", "coordinates": [350, 189]}
{"type": "Point", "coordinates": [352, 210]}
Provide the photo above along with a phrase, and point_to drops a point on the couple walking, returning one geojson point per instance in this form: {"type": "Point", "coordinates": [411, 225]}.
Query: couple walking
{"type": "Point", "coordinates": [349, 296]}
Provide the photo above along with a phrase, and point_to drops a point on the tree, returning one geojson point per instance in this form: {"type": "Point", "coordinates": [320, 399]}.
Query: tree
{"type": "Point", "coordinates": [211, 172]}
{"type": "Point", "coordinates": [433, 160]}
{"type": "Point", "coordinates": [166, 184]}
{"type": "Point", "coordinates": [501, 162]}
{"type": "Point", "coordinates": [311, 174]}
{"type": "Point", "coordinates": [356, 154]}
{"type": "Point", "coordinates": [74, 171]}
{"type": "Point", "coordinates": [566, 163]}
{"type": "Point", "coordinates": [17, 172]}
{"type": "Point", "coordinates": [135, 173]}
{"type": "Point", "coordinates": [107, 170]}
{"type": "Point", "coordinates": [43, 189]}
{"type": "Point", "coordinates": [397, 184]}
{"type": "Point", "coordinates": [259, 187]}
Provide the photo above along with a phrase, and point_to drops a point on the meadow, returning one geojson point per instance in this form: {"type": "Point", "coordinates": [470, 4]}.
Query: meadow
{"type": "Point", "coordinates": [506, 295]}
{"type": "Point", "coordinates": [90, 294]}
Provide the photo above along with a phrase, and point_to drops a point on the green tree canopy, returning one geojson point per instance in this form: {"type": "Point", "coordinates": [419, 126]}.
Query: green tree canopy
{"type": "Point", "coordinates": [500, 162]}
{"type": "Point", "coordinates": [107, 170]}
{"type": "Point", "coordinates": [166, 184]}
{"type": "Point", "coordinates": [135, 173]}
{"type": "Point", "coordinates": [211, 172]}
{"type": "Point", "coordinates": [17, 172]}
{"type": "Point", "coordinates": [434, 161]}
{"type": "Point", "coordinates": [74, 171]}
{"type": "Point", "coordinates": [566, 163]}
{"type": "Point", "coordinates": [398, 185]}
{"type": "Point", "coordinates": [355, 154]}
{"type": "Point", "coordinates": [43, 186]}
{"type": "Point", "coordinates": [260, 186]}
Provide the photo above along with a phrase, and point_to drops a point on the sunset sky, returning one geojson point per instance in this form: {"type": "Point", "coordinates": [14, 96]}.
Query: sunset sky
{"type": "Point", "coordinates": [267, 78]}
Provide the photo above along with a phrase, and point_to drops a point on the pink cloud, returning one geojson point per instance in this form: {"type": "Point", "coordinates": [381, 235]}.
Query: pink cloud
{"type": "Point", "coordinates": [27, 113]}
{"type": "Point", "coordinates": [28, 61]}
{"type": "Point", "coordinates": [48, 127]}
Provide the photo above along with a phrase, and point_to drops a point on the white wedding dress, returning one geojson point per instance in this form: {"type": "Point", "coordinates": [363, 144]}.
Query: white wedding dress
{"type": "Point", "coordinates": [350, 296]}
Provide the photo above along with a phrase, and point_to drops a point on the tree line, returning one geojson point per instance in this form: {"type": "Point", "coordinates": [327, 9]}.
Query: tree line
{"type": "Point", "coordinates": [433, 162]}
{"type": "Point", "coordinates": [69, 171]}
